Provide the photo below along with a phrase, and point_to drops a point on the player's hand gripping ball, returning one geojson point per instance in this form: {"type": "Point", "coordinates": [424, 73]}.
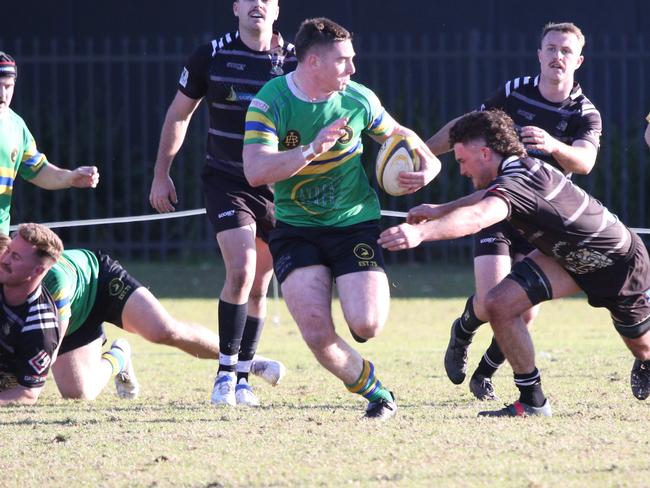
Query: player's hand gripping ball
{"type": "Point", "coordinates": [397, 154]}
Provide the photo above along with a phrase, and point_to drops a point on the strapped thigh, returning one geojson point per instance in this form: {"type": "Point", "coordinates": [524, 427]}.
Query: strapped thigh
{"type": "Point", "coordinates": [532, 279]}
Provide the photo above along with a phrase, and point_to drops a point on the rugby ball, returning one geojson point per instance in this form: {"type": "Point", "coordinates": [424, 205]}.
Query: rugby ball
{"type": "Point", "coordinates": [397, 154]}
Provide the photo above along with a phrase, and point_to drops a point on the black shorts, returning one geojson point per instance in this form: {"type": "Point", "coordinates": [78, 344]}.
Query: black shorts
{"type": "Point", "coordinates": [115, 286]}
{"type": "Point", "coordinates": [342, 249]}
{"type": "Point", "coordinates": [623, 289]}
{"type": "Point", "coordinates": [500, 239]}
{"type": "Point", "coordinates": [232, 204]}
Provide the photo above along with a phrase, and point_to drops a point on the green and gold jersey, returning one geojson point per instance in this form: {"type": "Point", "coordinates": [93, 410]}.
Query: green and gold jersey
{"type": "Point", "coordinates": [72, 282]}
{"type": "Point", "coordinates": [18, 155]}
{"type": "Point", "coordinates": [332, 190]}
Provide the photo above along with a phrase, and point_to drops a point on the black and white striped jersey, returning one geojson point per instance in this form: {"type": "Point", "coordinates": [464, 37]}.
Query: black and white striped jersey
{"type": "Point", "coordinates": [558, 217]}
{"type": "Point", "coordinates": [229, 74]}
{"type": "Point", "coordinates": [29, 335]}
{"type": "Point", "coordinates": [567, 121]}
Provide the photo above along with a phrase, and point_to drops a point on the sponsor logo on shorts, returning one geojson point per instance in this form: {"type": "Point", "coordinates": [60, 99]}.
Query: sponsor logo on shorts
{"type": "Point", "coordinates": [347, 137]}
{"type": "Point", "coordinates": [14, 154]}
{"type": "Point", "coordinates": [488, 240]}
{"type": "Point", "coordinates": [184, 76]}
{"type": "Point", "coordinates": [365, 254]}
{"type": "Point", "coordinates": [117, 288]}
{"type": "Point", "coordinates": [260, 105]}
{"type": "Point", "coordinates": [237, 66]}
{"type": "Point", "coordinates": [40, 362]}
{"type": "Point", "coordinates": [227, 213]}
{"type": "Point", "coordinates": [292, 139]}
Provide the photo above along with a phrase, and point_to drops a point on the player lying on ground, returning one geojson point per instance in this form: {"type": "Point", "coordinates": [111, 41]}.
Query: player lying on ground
{"type": "Point", "coordinates": [579, 244]}
{"type": "Point", "coordinates": [91, 288]}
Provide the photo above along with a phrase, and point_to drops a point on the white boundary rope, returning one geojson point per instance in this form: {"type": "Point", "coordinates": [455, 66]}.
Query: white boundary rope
{"type": "Point", "coordinates": [190, 213]}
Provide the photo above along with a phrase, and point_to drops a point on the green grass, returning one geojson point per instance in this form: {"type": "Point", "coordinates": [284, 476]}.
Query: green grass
{"type": "Point", "coordinates": [309, 432]}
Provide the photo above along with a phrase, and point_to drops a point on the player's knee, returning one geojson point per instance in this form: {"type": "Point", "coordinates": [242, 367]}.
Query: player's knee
{"type": "Point", "coordinates": [318, 338]}
{"type": "Point", "coordinates": [366, 328]}
{"type": "Point", "coordinates": [86, 394]}
{"type": "Point", "coordinates": [494, 309]}
{"type": "Point", "coordinates": [239, 280]}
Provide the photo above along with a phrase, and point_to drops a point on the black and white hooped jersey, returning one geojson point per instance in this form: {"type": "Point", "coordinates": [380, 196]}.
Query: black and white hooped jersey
{"type": "Point", "coordinates": [29, 335]}
{"type": "Point", "coordinates": [558, 217]}
{"type": "Point", "coordinates": [575, 118]}
{"type": "Point", "coordinates": [229, 74]}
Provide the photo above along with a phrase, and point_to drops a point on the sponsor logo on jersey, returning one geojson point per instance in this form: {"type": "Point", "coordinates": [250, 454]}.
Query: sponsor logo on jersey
{"type": "Point", "coordinates": [227, 213]}
{"type": "Point", "coordinates": [347, 137]}
{"type": "Point", "coordinates": [232, 95]}
{"type": "Point", "coordinates": [237, 66]}
{"type": "Point", "coordinates": [34, 379]}
{"type": "Point", "coordinates": [184, 76]}
{"type": "Point", "coordinates": [292, 139]}
{"type": "Point", "coordinates": [40, 362]}
{"type": "Point", "coordinates": [14, 154]}
{"type": "Point", "coordinates": [562, 125]}
{"type": "Point", "coordinates": [260, 105]}
{"type": "Point", "coordinates": [526, 115]}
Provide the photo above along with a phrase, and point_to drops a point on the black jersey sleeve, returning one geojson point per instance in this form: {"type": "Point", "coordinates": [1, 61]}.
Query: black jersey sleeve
{"type": "Point", "coordinates": [194, 77]}
{"type": "Point", "coordinates": [38, 340]}
{"type": "Point", "coordinates": [590, 126]}
{"type": "Point", "coordinates": [521, 199]}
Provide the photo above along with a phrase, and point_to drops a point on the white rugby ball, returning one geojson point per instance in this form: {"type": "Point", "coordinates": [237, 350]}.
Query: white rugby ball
{"type": "Point", "coordinates": [397, 154]}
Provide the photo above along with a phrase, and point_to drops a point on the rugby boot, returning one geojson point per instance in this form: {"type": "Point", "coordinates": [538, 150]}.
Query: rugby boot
{"type": "Point", "coordinates": [640, 379]}
{"type": "Point", "coordinates": [223, 392]}
{"type": "Point", "coordinates": [126, 383]}
{"type": "Point", "coordinates": [244, 395]}
{"type": "Point", "coordinates": [269, 370]}
{"type": "Point", "coordinates": [519, 409]}
{"type": "Point", "coordinates": [456, 356]}
{"type": "Point", "coordinates": [381, 409]}
{"type": "Point", "coordinates": [482, 387]}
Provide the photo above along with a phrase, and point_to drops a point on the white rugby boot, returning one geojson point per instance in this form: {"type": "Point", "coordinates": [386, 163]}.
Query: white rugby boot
{"type": "Point", "coordinates": [126, 383]}
{"type": "Point", "coordinates": [269, 370]}
{"type": "Point", "coordinates": [223, 392]}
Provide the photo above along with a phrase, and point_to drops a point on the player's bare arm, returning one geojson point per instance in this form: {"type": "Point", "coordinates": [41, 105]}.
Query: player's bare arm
{"type": "Point", "coordinates": [20, 395]}
{"type": "Point", "coordinates": [579, 158]}
{"type": "Point", "coordinates": [461, 222]}
{"type": "Point", "coordinates": [264, 165]}
{"type": "Point", "coordinates": [51, 177]}
{"type": "Point", "coordinates": [432, 211]}
{"type": "Point", "coordinates": [163, 196]}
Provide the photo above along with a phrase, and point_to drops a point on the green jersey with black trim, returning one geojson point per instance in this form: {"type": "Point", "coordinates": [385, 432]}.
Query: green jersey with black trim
{"type": "Point", "coordinates": [72, 282]}
{"type": "Point", "coordinates": [18, 155]}
{"type": "Point", "coordinates": [333, 189]}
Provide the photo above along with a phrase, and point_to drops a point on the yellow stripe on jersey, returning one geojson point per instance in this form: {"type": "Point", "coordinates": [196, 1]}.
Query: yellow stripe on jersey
{"type": "Point", "coordinates": [8, 173]}
{"type": "Point", "coordinates": [319, 169]}
{"type": "Point", "coordinates": [258, 117]}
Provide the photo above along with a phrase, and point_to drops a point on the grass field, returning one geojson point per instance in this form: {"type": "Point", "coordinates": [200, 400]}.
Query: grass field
{"type": "Point", "coordinates": [309, 432]}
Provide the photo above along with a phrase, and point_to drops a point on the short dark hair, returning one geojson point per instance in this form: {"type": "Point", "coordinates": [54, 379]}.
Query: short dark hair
{"type": "Point", "coordinates": [318, 32]}
{"type": "Point", "coordinates": [8, 66]}
{"type": "Point", "coordinates": [495, 127]}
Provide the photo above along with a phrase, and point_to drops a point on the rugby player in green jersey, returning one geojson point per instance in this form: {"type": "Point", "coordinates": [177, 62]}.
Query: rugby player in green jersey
{"type": "Point", "coordinates": [18, 153]}
{"type": "Point", "coordinates": [303, 133]}
{"type": "Point", "coordinates": [90, 288]}
{"type": "Point", "coordinates": [85, 289]}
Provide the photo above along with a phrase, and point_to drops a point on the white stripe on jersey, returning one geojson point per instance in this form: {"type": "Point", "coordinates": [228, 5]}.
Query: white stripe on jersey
{"type": "Point", "coordinates": [581, 208]}
{"type": "Point", "coordinates": [508, 88]}
{"type": "Point", "coordinates": [556, 190]}
{"type": "Point", "coordinates": [228, 38]}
